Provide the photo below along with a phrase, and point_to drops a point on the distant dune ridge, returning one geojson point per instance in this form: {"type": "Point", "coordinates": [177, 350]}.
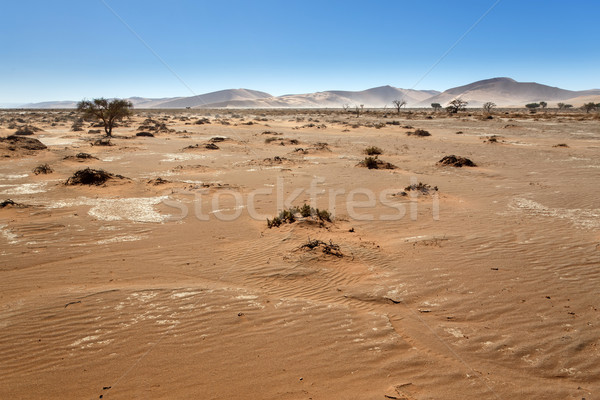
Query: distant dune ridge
{"type": "Point", "coordinates": [505, 92]}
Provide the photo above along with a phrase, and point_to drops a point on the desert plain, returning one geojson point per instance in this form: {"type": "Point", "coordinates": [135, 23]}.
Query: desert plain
{"type": "Point", "coordinates": [481, 283]}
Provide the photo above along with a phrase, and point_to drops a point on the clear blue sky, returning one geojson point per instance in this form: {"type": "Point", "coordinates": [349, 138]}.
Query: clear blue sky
{"type": "Point", "coordinates": [71, 49]}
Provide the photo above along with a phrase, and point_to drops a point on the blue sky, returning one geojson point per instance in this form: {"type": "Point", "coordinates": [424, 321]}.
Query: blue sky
{"type": "Point", "coordinates": [63, 49]}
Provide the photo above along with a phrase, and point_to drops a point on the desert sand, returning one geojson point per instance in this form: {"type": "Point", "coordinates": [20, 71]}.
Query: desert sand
{"type": "Point", "coordinates": [487, 288]}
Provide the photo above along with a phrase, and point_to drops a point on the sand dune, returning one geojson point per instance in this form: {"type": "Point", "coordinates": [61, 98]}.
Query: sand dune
{"type": "Point", "coordinates": [505, 92]}
{"type": "Point", "coordinates": [147, 288]}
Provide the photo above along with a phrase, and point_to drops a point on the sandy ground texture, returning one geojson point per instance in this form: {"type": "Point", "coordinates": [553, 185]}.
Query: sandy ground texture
{"type": "Point", "coordinates": [486, 288]}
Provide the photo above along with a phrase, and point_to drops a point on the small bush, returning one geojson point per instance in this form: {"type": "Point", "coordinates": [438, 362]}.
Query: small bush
{"type": "Point", "coordinates": [373, 151]}
{"type": "Point", "coordinates": [90, 177]}
{"type": "Point", "coordinates": [43, 169]}
{"type": "Point", "coordinates": [144, 134]}
{"type": "Point", "coordinates": [561, 145]}
{"type": "Point", "coordinates": [375, 163]}
{"type": "Point", "coordinates": [456, 161]}
{"type": "Point", "coordinates": [371, 162]}
{"type": "Point", "coordinates": [419, 132]}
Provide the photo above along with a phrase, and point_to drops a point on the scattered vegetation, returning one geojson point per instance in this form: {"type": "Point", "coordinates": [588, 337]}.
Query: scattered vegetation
{"type": "Point", "coordinates": [561, 145]}
{"type": "Point", "coordinates": [456, 161]}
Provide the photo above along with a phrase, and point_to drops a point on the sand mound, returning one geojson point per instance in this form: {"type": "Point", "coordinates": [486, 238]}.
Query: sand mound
{"type": "Point", "coordinates": [22, 143]}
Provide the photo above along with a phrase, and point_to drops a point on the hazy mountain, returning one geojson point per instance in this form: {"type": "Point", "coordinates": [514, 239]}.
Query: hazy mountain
{"type": "Point", "coordinates": [505, 92]}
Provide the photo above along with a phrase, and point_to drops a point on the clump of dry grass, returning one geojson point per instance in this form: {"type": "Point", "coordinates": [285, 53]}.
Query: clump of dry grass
{"type": "Point", "coordinates": [375, 163]}
{"type": "Point", "coordinates": [456, 161]}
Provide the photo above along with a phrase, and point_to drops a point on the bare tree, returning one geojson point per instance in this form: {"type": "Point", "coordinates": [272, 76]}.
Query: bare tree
{"type": "Point", "coordinates": [399, 104]}
{"type": "Point", "coordinates": [488, 107]}
{"type": "Point", "coordinates": [345, 107]}
{"type": "Point", "coordinates": [359, 109]}
{"type": "Point", "coordinates": [456, 105]}
{"type": "Point", "coordinates": [106, 111]}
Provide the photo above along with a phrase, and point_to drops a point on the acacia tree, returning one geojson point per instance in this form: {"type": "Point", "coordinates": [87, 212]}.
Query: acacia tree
{"type": "Point", "coordinates": [456, 105]}
{"type": "Point", "coordinates": [564, 106]}
{"type": "Point", "coordinates": [589, 107]}
{"type": "Point", "coordinates": [106, 111]}
{"type": "Point", "coordinates": [488, 106]}
{"type": "Point", "coordinates": [436, 106]}
{"type": "Point", "coordinates": [532, 106]}
{"type": "Point", "coordinates": [399, 104]}
{"type": "Point", "coordinates": [543, 104]}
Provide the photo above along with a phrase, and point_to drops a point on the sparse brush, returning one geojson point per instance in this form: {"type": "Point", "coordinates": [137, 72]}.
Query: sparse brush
{"type": "Point", "coordinates": [420, 187]}
{"type": "Point", "coordinates": [419, 132]}
{"type": "Point", "coordinates": [306, 211]}
{"type": "Point", "coordinates": [328, 248]}
{"type": "Point", "coordinates": [323, 215]}
{"type": "Point", "coordinates": [289, 216]}
{"type": "Point", "coordinates": [373, 151]}
{"type": "Point", "coordinates": [370, 162]}
{"type": "Point", "coordinates": [43, 169]}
